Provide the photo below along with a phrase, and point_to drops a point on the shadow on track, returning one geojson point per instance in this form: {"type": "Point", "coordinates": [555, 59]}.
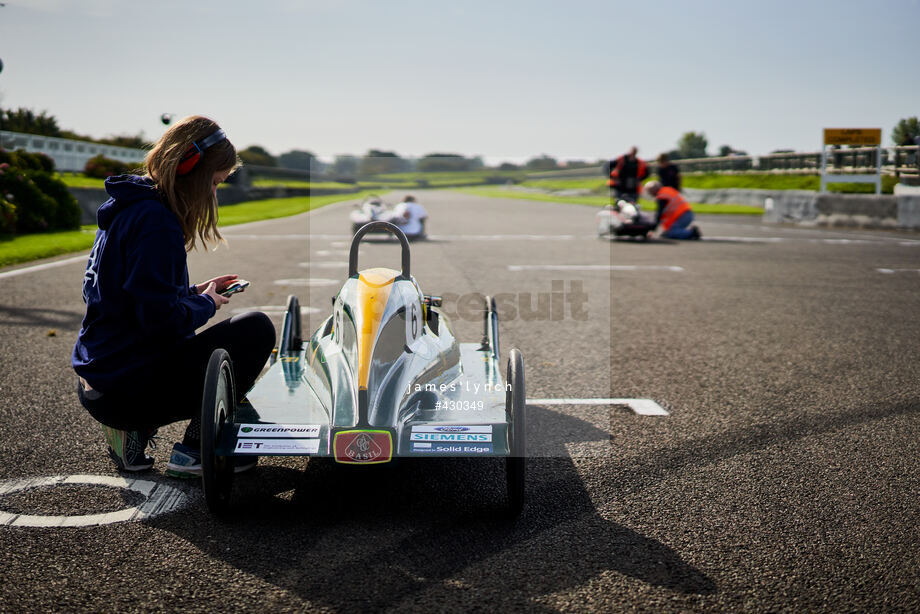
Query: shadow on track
{"type": "Point", "coordinates": [374, 537]}
{"type": "Point", "coordinates": [19, 316]}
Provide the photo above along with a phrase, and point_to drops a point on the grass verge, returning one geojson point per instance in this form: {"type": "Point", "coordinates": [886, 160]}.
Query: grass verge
{"type": "Point", "coordinates": [25, 248]}
{"type": "Point", "coordinates": [600, 201]}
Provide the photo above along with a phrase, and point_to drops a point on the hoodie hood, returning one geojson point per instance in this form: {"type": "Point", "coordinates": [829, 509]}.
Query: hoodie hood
{"type": "Point", "coordinates": [124, 190]}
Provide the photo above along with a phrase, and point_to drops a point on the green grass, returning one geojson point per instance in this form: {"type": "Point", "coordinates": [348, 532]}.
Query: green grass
{"type": "Point", "coordinates": [25, 248]}
{"type": "Point", "coordinates": [600, 201]}
{"type": "Point", "coordinates": [768, 181]}
{"type": "Point", "coordinates": [294, 183]}
{"type": "Point", "coordinates": [72, 180]}
{"type": "Point", "coordinates": [713, 181]}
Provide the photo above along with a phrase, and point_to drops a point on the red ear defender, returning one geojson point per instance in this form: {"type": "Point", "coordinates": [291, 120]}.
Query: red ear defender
{"type": "Point", "coordinates": [193, 154]}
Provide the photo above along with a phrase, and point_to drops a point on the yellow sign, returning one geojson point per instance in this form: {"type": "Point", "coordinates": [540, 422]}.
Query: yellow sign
{"type": "Point", "coordinates": [852, 136]}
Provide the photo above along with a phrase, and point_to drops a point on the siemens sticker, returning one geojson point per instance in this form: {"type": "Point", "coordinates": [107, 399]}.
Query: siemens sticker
{"type": "Point", "coordinates": [479, 437]}
{"type": "Point", "coordinates": [452, 428]}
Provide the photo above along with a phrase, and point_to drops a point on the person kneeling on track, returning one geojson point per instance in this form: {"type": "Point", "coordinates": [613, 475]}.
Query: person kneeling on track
{"type": "Point", "coordinates": [139, 362]}
{"type": "Point", "coordinates": [674, 214]}
{"type": "Point", "coordinates": [410, 216]}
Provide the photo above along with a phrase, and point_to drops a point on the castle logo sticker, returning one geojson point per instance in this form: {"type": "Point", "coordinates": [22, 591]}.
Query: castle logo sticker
{"type": "Point", "coordinates": [362, 446]}
{"type": "Point", "coordinates": [285, 431]}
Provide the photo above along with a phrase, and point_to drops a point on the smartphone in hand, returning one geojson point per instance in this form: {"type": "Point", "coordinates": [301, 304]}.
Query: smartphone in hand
{"type": "Point", "coordinates": [237, 286]}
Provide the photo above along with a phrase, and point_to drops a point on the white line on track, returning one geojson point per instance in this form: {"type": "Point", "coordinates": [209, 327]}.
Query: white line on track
{"type": "Point", "coordinates": [322, 265]}
{"type": "Point", "coordinates": [311, 282]}
{"type": "Point", "coordinates": [158, 499]}
{"type": "Point", "coordinates": [594, 267]}
{"type": "Point", "coordinates": [893, 271]}
{"type": "Point", "coordinates": [643, 407]}
{"type": "Point", "coordinates": [275, 309]}
{"type": "Point", "coordinates": [47, 265]}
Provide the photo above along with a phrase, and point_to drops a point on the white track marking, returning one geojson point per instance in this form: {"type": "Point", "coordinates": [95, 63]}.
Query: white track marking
{"type": "Point", "coordinates": [275, 309]}
{"type": "Point", "coordinates": [158, 499]}
{"type": "Point", "coordinates": [593, 267]}
{"type": "Point", "coordinates": [503, 237]}
{"type": "Point", "coordinates": [332, 252]}
{"type": "Point", "coordinates": [311, 282]}
{"type": "Point", "coordinates": [893, 271]}
{"type": "Point", "coordinates": [47, 265]}
{"type": "Point", "coordinates": [643, 407]}
{"type": "Point", "coordinates": [322, 265]}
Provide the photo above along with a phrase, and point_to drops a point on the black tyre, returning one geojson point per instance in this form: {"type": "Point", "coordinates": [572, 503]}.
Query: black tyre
{"type": "Point", "coordinates": [217, 408]}
{"type": "Point", "coordinates": [291, 338]}
{"type": "Point", "coordinates": [515, 404]}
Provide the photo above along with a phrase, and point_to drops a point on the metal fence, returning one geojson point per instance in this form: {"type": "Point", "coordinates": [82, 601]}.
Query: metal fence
{"type": "Point", "coordinates": [896, 161]}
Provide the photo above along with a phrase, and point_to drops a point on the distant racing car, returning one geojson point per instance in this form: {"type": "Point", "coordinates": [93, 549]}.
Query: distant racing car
{"type": "Point", "coordinates": [624, 219]}
{"type": "Point", "coordinates": [383, 377]}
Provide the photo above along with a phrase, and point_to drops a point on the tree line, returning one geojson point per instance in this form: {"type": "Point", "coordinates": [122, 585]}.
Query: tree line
{"type": "Point", "coordinates": [377, 162]}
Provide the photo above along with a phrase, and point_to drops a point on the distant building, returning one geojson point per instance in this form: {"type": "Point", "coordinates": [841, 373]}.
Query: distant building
{"type": "Point", "coordinates": [68, 155]}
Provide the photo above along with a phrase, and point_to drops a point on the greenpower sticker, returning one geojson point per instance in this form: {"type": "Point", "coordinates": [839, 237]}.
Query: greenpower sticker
{"type": "Point", "coordinates": [279, 431]}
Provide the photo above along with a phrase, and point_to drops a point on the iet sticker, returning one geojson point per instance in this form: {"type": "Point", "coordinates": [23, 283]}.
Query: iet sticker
{"type": "Point", "coordinates": [275, 446]}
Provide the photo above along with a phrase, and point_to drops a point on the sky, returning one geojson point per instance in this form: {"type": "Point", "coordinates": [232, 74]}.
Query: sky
{"type": "Point", "coordinates": [575, 80]}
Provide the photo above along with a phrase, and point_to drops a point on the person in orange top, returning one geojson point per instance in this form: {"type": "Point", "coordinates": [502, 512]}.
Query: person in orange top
{"type": "Point", "coordinates": [674, 214]}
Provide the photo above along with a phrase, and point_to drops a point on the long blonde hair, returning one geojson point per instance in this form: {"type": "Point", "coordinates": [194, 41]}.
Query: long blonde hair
{"type": "Point", "coordinates": [191, 196]}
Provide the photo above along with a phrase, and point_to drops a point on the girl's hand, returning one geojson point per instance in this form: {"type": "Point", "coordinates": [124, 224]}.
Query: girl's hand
{"type": "Point", "coordinates": [221, 283]}
{"type": "Point", "coordinates": [211, 291]}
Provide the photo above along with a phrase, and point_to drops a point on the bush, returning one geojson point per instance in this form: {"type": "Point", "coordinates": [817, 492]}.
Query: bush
{"type": "Point", "coordinates": [67, 211]}
{"type": "Point", "coordinates": [33, 200]}
{"type": "Point", "coordinates": [7, 216]}
{"type": "Point", "coordinates": [35, 210]}
{"type": "Point", "coordinates": [25, 160]}
{"type": "Point", "coordinates": [102, 167]}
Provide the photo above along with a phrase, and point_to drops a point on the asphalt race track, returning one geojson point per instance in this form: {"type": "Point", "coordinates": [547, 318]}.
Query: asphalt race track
{"type": "Point", "coordinates": [784, 477]}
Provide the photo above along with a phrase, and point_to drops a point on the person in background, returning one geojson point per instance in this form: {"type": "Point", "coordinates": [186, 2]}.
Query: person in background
{"type": "Point", "coordinates": [410, 216]}
{"type": "Point", "coordinates": [668, 173]}
{"type": "Point", "coordinates": [139, 363]}
{"type": "Point", "coordinates": [626, 175]}
{"type": "Point", "coordinates": [674, 214]}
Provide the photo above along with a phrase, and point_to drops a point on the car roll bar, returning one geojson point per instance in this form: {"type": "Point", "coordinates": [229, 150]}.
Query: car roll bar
{"type": "Point", "coordinates": [371, 226]}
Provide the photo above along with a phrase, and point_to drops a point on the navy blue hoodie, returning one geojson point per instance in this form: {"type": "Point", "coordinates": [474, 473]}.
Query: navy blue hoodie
{"type": "Point", "coordinates": [139, 303]}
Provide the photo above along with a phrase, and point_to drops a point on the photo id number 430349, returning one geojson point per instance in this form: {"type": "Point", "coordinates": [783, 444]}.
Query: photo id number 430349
{"type": "Point", "coordinates": [460, 405]}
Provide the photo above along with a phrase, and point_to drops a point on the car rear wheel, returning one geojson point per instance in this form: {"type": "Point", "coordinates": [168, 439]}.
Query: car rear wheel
{"type": "Point", "coordinates": [291, 337]}
{"type": "Point", "coordinates": [217, 407]}
{"type": "Point", "coordinates": [515, 403]}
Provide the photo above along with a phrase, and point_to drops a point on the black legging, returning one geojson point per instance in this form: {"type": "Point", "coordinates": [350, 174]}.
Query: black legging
{"type": "Point", "coordinates": [172, 388]}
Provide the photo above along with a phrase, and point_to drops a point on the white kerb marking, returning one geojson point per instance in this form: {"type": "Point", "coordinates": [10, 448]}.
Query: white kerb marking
{"type": "Point", "coordinates": [322, 265]}
{"type": "Point", "coordinates": [643, 407]}
{"type": "Point", "coordinates": [276, 309]}
{"type": "Point", "coordinates": [594, 267]}
{"type": "Point", "coordinates": [311, 282]}
{"type": "Point", "coordinates": [893, 271]}
{"type": "Point", "coordinates": [158, 499]}
{"type": "Point", "coordinates": [43, 267]}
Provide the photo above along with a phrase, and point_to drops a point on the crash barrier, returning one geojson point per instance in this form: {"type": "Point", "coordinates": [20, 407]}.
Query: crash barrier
{"type": "Point", "coordinates": [900, 211]}
{"type": "Point", "coordinates": [897, 161]}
